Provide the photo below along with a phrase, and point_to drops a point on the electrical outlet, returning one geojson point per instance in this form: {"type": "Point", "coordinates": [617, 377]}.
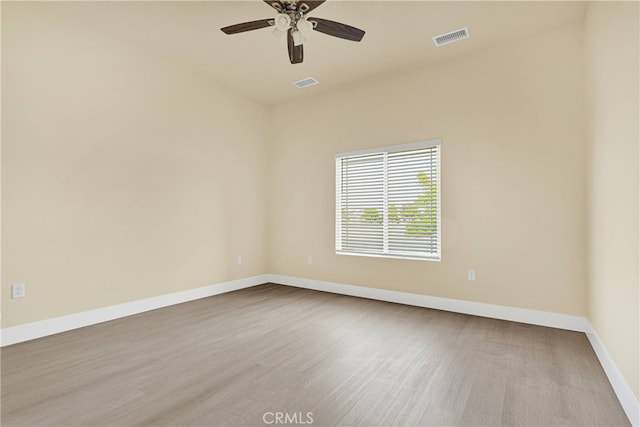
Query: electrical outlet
{"type": "Point", "coordinates": [239, 259]}
{"type": "Point", "coordinates": [471, 275]}
{"type": "Point", "coordinates": [17, 290]}
{"type": "Point", "coordinates": [309, 259]}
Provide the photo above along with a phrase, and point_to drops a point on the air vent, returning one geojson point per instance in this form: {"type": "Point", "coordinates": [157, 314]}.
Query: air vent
{"type": "Point", "coordinates": [451, 37]}
{"type": "Point", "coordinates": [309, 81]}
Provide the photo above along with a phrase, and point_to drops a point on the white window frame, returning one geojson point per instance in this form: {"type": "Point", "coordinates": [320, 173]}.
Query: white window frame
{"type": "Point", "coordinates": [387, 150]}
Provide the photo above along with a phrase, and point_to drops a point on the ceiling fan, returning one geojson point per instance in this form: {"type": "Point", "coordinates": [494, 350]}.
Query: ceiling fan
{"type": "Point", "coordinates": [291, 20]}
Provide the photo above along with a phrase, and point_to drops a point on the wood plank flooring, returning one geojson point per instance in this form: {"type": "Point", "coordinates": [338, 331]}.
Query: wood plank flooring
{"type": "Point", "coordinates": [229, 359]}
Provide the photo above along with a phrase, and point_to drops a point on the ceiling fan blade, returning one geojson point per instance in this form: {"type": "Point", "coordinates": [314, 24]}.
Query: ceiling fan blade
{"type": "Point", "coordinates": [337, 29]}
{"type": "Point", "coordinates": [247, 26]}
{"type": "Point", "coordinates": [310, 5]}
{"type": "Point", "coordinates": [276, 4]}
{"type": "Point", "coordinates": [295, 52]}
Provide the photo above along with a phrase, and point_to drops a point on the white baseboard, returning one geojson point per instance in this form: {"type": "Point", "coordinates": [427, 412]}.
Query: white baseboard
{"type": "Point", "coordinates": [522, 315]}
{"type": "Point", "coordinates": [29, 331]}
{"type": "Point", "coordinates": [622, 390]}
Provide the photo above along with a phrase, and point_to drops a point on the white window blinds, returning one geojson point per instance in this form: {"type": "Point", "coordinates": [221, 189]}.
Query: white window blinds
{"type": "Point", "coordinates": [388, 201]}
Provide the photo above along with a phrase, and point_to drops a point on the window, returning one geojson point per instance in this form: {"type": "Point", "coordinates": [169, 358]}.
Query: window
{"type": "Point", "coordinates": [388, 201]}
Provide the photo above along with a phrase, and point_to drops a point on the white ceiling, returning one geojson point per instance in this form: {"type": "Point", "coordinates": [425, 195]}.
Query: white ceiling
{"type": "Point", "coordinates": [398, 37]}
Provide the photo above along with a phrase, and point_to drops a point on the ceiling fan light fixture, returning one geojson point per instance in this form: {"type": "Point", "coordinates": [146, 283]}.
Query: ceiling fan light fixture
{"type": "Point", "coordinates": [297, 38]}
{"type": "Point", "coordinates": [279, 34]}
{"type": "Point", "coordinates": [304, 26]}
{"type": "Point", "coordinates": [282, 21]}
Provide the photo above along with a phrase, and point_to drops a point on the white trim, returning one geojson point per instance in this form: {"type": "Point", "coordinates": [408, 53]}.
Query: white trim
{"type": "Point", "coordinates": [385, 203]}
{"type": "Point", "coordinates": [439, 215]}
{"type": "Point", "coordinates": [338, 165]}
{"type": "Point", "coordinates": [30, 331]}
{"type": "Point", "coordinates": [390, 148]}
{"type": "Point", "coordinates": [430, 148]}
{"type": "Point", "coordinates": [625, 395]}
{"type": "Point", "coordinates": [432, 257]}
{"type": "Point", "coordinates": [514, 314]}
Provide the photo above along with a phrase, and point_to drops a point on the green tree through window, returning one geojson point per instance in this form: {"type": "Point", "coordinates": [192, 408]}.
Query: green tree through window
{"type": "Point", "coordinates": [371, 215]}
{"type": "Point", "coordinates": [420, 216]}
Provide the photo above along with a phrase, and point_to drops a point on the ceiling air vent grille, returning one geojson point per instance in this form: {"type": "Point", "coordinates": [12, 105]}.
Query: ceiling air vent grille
{"type": "Point", "coordinates": [451, 37]}
{"type": "Point", "coordinates": [309, 81]}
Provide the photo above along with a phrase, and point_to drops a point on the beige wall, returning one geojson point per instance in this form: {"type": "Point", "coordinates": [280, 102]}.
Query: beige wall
{"type": "Point", "coordinates": [513, 192]}
{"type": "Point", "coordinates": [123, 175]}
{"type": "Point", "coordinates": [612, 73]}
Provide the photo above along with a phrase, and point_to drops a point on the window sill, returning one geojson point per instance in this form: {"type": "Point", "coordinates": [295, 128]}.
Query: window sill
{"type": "Point", "coordinates": [436, 258]}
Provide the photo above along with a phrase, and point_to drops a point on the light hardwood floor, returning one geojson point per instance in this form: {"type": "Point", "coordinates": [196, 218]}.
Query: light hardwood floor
{"type": "Point", "coordinates": [229, 359]}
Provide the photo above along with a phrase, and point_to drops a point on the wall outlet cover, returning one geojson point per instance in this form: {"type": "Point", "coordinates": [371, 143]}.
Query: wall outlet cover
{"type": "Point", "coordinates": [17, 290]}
